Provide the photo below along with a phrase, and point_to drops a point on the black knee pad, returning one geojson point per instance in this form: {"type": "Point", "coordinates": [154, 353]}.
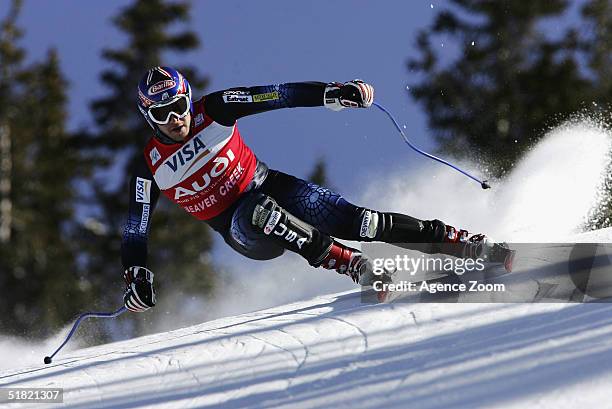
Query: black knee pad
{"type": "Point", "coordinates": [289, 231]}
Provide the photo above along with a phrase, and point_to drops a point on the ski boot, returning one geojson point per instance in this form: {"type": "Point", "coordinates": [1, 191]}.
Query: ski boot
{"type": "Point", "coordinates": [357, 266]}
{"type": "Point", "coordinates": [466, 245]}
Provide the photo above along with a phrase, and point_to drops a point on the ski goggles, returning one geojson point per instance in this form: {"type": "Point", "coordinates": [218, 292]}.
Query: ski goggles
{"type": "Point", "coordinates": [161, 113]}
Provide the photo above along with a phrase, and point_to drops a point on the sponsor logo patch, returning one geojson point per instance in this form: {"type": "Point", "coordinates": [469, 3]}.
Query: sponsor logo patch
{"type": "Point", "coordinates": [161, 86]}
{"type": "Point", "coordinates": [237, 98]}
{"type": "Point", "coordinates": [221, 163]}
{"type": "Point", "coordinates": [369, 224]}
{"type": "Point", "coordinates": [143, 190]}
{"type": "Point", "coordinates": [269, 96]}
{"type": "Point", "coordinates": [272, 222]}
{"type": "Point", "coordinates": [199, 119]}
{"type": "Point", "coordinates": [144, 100]}
{"type": "Point", "coordinates": [365, 221]}
{"type": "Point", "coordinates": [236, 92]}
{"type": "Point", "coordinates": [259, 216]}
{"type": "Point", "coordinates": [187, 153]}
{"type": "Point", "coordinates": [144, 220]}
{"type": "Point", "coordinates": [155, 156]}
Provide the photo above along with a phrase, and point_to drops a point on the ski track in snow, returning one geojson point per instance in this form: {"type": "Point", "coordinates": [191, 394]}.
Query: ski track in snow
{"type": "Point", "coordinates": [334, 351]}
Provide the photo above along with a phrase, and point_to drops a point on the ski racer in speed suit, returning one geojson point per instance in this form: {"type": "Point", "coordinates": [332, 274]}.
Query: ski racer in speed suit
{"type": "Point", "coordinates": [198, 159]}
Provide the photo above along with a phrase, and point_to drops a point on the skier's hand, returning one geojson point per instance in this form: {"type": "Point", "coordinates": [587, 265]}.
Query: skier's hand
{"type": "Point", "coordinates": [139, 295]}
{"type": "Point", "coordinates": [354, 94]}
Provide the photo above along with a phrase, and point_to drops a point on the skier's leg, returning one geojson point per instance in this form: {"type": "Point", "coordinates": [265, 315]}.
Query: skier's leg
{"type": "Point", "coordinates": [318, 206]}
{"type": "Point", "coordinates": [258, 218]}
{"type": "Point", "coordinates": [330, 213]}
{"type": "Point", "coordinates": [235, 227]}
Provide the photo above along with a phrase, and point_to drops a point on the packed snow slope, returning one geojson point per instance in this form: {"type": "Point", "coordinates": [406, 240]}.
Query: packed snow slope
{"type": "Point", "coordinates": [335, 351]}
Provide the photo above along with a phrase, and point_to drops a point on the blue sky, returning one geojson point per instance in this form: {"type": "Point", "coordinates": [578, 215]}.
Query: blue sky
{"type": "Point", "coordinates": [266, 42]}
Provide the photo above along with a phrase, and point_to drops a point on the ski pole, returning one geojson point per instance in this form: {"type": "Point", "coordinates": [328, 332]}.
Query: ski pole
{"type": "Point", "coordinates": [483, 183]}
{"type": "Point", "coordinates": [78, 322]}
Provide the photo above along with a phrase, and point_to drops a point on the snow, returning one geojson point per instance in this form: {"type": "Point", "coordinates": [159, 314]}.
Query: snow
{"type": "Point", "coordinates": [546, 198]}
{"type": "Point", "coordinates": [336, 351]}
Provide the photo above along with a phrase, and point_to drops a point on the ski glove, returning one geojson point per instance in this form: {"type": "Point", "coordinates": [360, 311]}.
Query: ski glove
{"type": "Point", "coordinates": [139, 295]}
{"type": "Point", "coordinates": [354, 94]}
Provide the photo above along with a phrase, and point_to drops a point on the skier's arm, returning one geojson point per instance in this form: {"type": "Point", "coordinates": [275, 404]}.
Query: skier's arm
{"type": "Point", "coordinates": [228, 105]}
{"type": "Point", "coordinates": [144, 194]}
{"type": "Point", "coordinates": [139, 294]}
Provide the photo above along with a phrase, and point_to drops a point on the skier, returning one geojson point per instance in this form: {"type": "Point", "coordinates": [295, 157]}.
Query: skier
{"type": "Point", "coordinates": [199, 160]}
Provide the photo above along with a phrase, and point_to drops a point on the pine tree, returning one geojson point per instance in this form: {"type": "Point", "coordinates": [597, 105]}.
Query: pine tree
{"type": "Point", "coordinates": [40, 282]}
{"type": "Point", "coordinates": [596, 44]}
{"type": "Point", "coordinates": [507, 84]}
{"type": "Point", "coordinates": [11, 57]}
{"type": "Point", "coordinates": [179, 244]}
{"type": "Point", "coordinates": [44, 211]}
